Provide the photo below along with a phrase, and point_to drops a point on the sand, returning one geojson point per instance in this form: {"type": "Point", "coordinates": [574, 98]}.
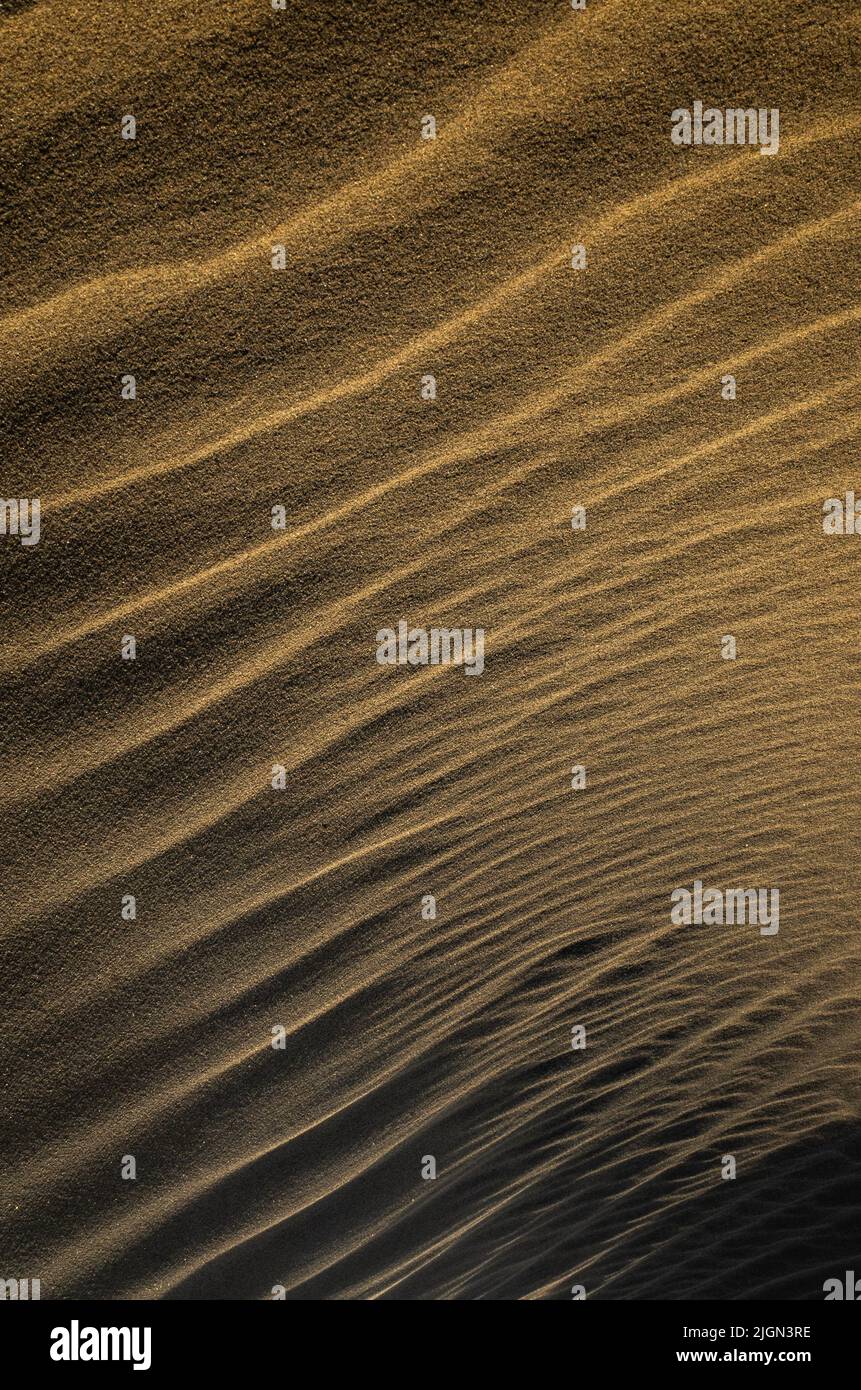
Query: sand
{"type": "Point", "coordinates": [407, 1035]}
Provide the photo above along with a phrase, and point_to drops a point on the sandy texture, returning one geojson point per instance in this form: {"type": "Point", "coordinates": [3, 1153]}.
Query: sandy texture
{"type": "Point", "coordinates": [256, 907]}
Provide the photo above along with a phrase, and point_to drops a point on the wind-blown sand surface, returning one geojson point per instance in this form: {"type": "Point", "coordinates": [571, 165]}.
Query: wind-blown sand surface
{"type": "Point", "coordinates": [301, 907]}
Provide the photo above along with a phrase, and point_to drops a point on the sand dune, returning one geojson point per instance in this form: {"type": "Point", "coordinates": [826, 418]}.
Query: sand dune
{"type": "Point", "coordinates": [408, 1036]}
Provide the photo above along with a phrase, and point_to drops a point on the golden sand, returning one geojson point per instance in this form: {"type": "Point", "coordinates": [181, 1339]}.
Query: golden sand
{"type": "Point", "coordinates": [408, 1036]}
